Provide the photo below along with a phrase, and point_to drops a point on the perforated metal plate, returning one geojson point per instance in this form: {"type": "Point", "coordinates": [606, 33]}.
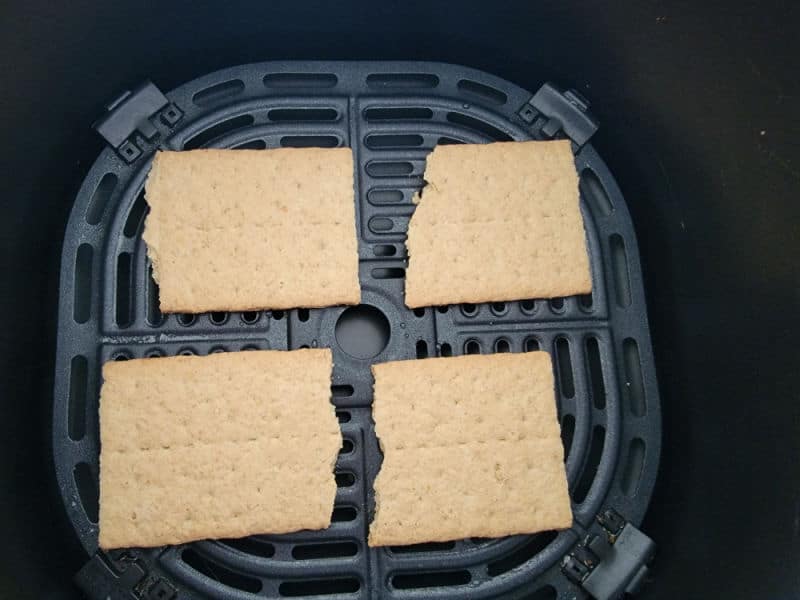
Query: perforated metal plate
{"type": "Point", "coordinates": [391, 114]}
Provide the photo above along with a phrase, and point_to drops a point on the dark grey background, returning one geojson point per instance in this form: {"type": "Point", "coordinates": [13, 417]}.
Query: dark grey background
{"type": "Point", "coordinates": [699, 125]}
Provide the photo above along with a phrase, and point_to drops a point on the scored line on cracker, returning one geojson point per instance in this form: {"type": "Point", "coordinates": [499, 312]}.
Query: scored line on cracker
{"type": "Point", "coordinates": [252, 229]}
{"type": "Point", "coordinates": [217, 446]}
{"type": "Point", "coordinates": [497, 222]}
{"type": "Point", "coordinates": [472, 448]}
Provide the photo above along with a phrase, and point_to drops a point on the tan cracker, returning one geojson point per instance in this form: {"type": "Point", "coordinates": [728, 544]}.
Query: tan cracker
{"type": "Point", "coordinates": [252, 229]}
{"type": "Point", "coordinates": [225, 445]}
{"type": "Point", "coordinates": [497, 221]}
{"type": "Point", "coordinates": [472, 448]}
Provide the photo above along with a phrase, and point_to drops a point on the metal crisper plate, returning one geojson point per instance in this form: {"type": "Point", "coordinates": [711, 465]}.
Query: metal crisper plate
{"type": "Point", "coordinates": [391, 114]}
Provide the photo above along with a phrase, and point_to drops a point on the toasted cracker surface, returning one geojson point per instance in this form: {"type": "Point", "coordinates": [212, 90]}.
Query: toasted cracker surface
{"type": "Point", "coordinates": [472, 448]}
{"type": "Point", "coordinates": [498, 221]}
{"type": "Point", "coordinates": [252, 229]}
{"type": "Point", "coordinates": [217, 446]}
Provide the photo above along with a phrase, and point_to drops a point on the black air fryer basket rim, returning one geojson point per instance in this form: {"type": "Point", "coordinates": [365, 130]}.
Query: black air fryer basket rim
{"type": "Point", "coordinates": [391, 114]}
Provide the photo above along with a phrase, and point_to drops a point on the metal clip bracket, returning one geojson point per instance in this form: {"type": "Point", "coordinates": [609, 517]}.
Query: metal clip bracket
{"type": "Point", "coordinates": [121, 574]}
{"type": "Point", "coordinates": [554, 111]}
{"type": "Point", "coordinates": [613, 563]}
{"type": "Point", "coordinates": [133, 113]}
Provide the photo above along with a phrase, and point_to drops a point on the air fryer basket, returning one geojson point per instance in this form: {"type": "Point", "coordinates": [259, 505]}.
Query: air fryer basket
{"type": "Point", "coordinates": [698, 122]}
{"type": "Point", "coordinates": [391, 115]}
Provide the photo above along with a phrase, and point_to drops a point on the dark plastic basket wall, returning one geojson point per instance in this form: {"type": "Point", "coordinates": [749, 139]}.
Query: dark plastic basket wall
{"type": "Point", "coordinates": [698, 125]}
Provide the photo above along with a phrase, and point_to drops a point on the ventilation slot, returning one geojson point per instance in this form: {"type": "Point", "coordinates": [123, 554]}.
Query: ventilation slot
{"type": "Point", "coordinates": [100, 198]}
{"type": "Point", "coordinates": [445, 350]}
{"type": "Point", "coordinates": [567, 433]}
{"type": "Point", "coordinates": [482, 541]}
{"type": "Point", "coordinates": [252, 145]}
{"type": "Point", "coordinates": [499, 308]}
{"type": "Point", "coordinates": [483, 92]}
{"type": "Point", "coordinates": [446, 141]}
{"type": "Point", "coordinates": [479, 126]}
{"type": "Point", "coordinates": [319, 551]}
{"type": "Point", "coordinates": [86, 483]}
{"type": "Point", "coordinates": [564, 368]}
{"type": "Point", "coordinates": [469, 310]}
{"type": "Point", "coordinates": [397, 114]}
{"type": "Point", "coordinates": [135, 216]}
{"type": "Point", "coordinates": [595, 368]}
{"type": "Point", "coordinates": [309, 141]}
{"type": "Point", "coordinates": [402, 80]}
{"type": "Point", "coordinates": [390, 169]}
{"type": "Point", "coordinates": [343, 416]}
{"type": "Point", "coordinates": [592, 462]}
{"type": "Point", "coordinates": [300, 80]}
{"type": "Point", "coordinates": [123, 304]}
{"type": "Point", "coordinates": [277, 314]}
{"type": "Point", "coordinates": [472, 347]}
{"type": "Point", "coordinates": [347, 447]}
{"type": "Point", "coordinates": [586, 301]}
{"type": "Point", "coordinates": [344, 514]}
{"type": "Point", "coordinates": [531, 345]}
{"type": "Point", "coordinates": [634, 386]}
{"type": "Point", "coordinates": [345, 479]}
{"type": "Point", "coordinates": [220, 91]}
{"type": "Point", "coordinates": [303, 314]}
{"type": "Point", "coordinates": [201, 139]}
{"type": "Point", "coordinates": [380, 224]}
{"type": "Point", "coordinates": [528, 306]}
{"type": "Point", "coordinates": [632, 471]}
{"type": "Point", "coordinates": [319, 587]}
{"type": "Point", "coordinates": [380, 142]}
{"type": "Point", "coordinates": [78, 381]}
{"type": "Point", "coordinates": [557, 305]}
{"type": "Point", "coordinates": [342, 390]}
{"type": "Point", "coordinates": [419, 312]}
{"type": "Point", "coordinates": [619, 261]}
{"type": "Point", "coordinates": [186, 319]}
{"type": "Point", "coordinates": [502, 345]}
{"type": "Point", "coordinates": [251, 316]}
{"type": "Point", "coordinates": [218, 318]}
{"type": "Point", "coordinates": [217, 572]}
{"type": "Point", "coordinates": [154, 316]}
{"type": "Point", "coordinates": [303, 114]}
{"type": "Point", "coordinates": [523, 554]}
{"type": "Point", "coordinates": [384, 250]}
{"type": "Point", "coordinates": [388, 273]}
{"type": "Point", "coordinates": [426, 547]}
{"type": "Point", "coordinates": [422, 349]}
{"type": "Point", "coordinates": [595, 193]}
{"type": "Point", "coordinates": [251, 545]}
{"type": "Point", "coordinates": [413, 581]}
{"type": "Point", "coordinates": [82, 299]}
{"type": "Point", "coordinates": [385, 197]}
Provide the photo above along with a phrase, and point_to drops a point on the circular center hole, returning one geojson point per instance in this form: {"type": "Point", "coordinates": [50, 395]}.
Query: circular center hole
{"type": "Point", "coordinates": [362, 331]}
